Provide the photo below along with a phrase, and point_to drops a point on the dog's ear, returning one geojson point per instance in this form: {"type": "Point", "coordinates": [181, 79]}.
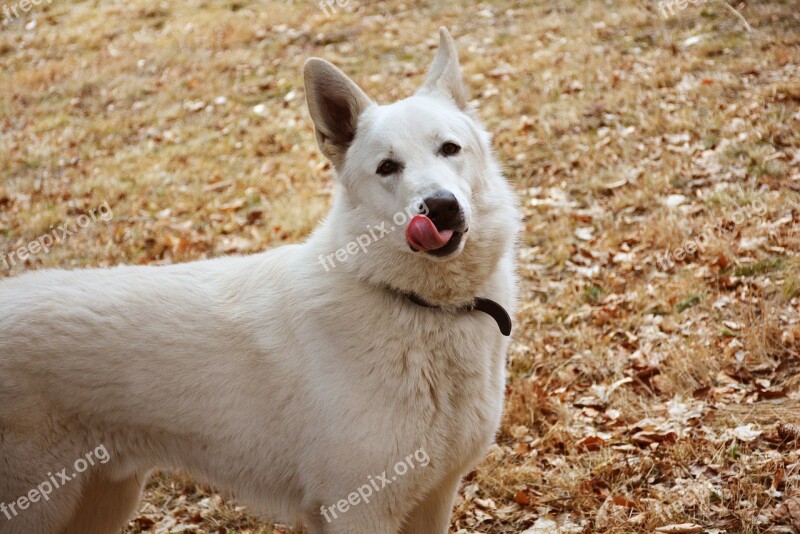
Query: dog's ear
{"type": "Point", "coordinates": [334, 102]}
{"type": "Point", "coordinates": [445, 76]}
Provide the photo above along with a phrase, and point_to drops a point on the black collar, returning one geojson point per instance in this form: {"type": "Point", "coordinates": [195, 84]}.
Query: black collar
{"type": "Point", "coordinates": [487, 306]}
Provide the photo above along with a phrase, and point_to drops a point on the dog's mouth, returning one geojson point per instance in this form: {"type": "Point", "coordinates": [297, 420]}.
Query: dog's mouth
{"type": "Point", "coordinates": [423, 236]}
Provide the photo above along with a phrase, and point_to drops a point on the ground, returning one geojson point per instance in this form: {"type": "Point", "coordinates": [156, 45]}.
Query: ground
{"type": "Point", "coordinates": [655, 148]}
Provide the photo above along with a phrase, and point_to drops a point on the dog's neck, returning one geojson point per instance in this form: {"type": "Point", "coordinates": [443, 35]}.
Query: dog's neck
{"type": "Point", "coordinates": [479, 304]}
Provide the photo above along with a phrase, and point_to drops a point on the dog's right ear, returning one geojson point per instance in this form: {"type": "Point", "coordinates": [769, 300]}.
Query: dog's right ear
{"type": "Point", "coordinates": [335, 103]}
{"type": "Point", "coordinates": [445, 75]}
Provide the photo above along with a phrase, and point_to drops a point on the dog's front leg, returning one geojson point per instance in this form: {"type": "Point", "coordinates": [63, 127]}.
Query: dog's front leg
{"type": "Point", "coordinates": [432, 514]}
{"type": "Point", "coordinates": [342, 529]}
{"type": "Point", "coordinates": [105, 505]}
{"type": "Point", "coordinates": [368, 519]}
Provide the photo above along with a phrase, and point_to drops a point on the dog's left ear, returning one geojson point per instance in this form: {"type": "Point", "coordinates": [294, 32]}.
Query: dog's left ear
{"type": "Point", "coordinates": [335, 103]}
{"type": "Point", "coordinates": [445, 76]}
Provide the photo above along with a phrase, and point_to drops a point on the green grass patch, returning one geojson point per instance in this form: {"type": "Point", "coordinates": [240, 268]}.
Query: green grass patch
{"type": "Point", "coordinates": [760, 267]}
{"type": "Point", "coordinates": [727, 332]}
{"type": "Point", "coordinates": [592, 294]}
{"type": "Point", "coordinates": [688, 303]}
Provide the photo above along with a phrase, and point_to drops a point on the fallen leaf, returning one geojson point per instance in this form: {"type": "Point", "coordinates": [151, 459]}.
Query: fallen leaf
{"type": "Point", "coordinates": [745, 433]}
{"type": "Point", "coordinates": [522, 497]}
{"type": "Point", "coordinates": [622, 501]}
{"type": "Point", "coordinates": [591, 443]}
{"type": "Point", "coordinates": [680, 528]}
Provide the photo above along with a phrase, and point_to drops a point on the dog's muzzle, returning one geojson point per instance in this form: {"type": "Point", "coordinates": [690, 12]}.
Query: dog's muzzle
{"type": "Point", "coordinates": [440, 231]}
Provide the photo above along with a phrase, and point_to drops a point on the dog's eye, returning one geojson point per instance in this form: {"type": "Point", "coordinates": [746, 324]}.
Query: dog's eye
{"type": "Point", "coordinates": [450, 149]}
{"type": "Point", "coordinates": [387, 167]}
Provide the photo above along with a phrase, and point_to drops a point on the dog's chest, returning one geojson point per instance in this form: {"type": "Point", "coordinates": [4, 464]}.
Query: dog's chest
{"type": "Point", "coordinates": [452, 379]}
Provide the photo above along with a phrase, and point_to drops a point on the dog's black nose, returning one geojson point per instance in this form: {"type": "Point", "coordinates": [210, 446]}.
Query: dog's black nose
{"type": "Point", "coordinates": [445, 211]}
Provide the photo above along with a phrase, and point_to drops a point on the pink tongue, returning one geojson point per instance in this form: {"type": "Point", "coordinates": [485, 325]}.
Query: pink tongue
{"type": "Point", "coordinates": [422, 234]}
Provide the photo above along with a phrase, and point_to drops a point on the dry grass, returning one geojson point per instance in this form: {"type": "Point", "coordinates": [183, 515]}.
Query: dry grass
{"type": "Point", "coordinates": [626, 135]}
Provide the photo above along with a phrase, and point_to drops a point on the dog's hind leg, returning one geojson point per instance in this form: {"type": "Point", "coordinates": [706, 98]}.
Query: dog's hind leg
{"type": "Point", "coordinates": [432, 514]}
{"type": "Point", "coordinates": [105, 505]}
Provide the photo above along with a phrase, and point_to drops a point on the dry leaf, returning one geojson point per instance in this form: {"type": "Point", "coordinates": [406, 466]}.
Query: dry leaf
{"type": "Point", "coordinates": [680, 528]}
{"type": "Point", "coordinates": [591, 443]}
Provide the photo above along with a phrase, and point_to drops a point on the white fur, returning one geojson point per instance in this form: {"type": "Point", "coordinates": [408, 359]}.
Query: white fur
{"type": "Point", "coordinates": [275, 380]}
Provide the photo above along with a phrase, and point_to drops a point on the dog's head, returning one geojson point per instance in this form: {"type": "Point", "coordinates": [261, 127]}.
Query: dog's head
{"type": "Point", "coordinates": [420, 191]}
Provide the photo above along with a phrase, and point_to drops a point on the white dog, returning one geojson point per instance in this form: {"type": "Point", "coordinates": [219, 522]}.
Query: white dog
{"type": "Point", "coordinates": [346, 383]}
